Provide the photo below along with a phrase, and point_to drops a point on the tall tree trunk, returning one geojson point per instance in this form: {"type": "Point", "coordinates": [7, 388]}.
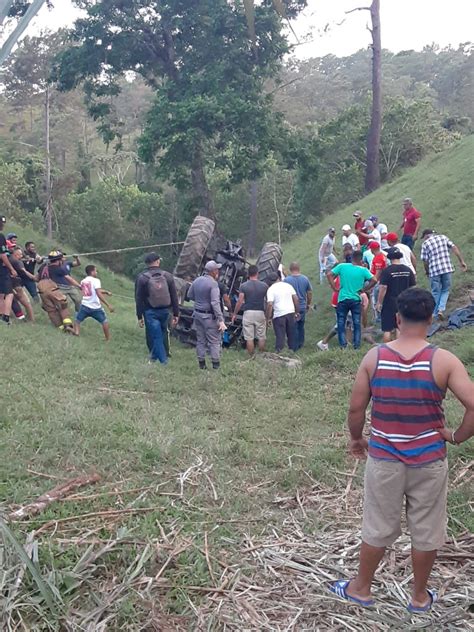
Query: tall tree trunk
{"type": "Point", "coordinates": [252, 243]}
{"type": "Point", "coordinates": [372, 174]}
{"type": "Point", "coordinates": [201, 193]}
{"type": "Point", "coordinates": [49, 200]}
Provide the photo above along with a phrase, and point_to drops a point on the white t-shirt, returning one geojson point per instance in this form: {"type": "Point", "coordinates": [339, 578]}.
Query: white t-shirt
{"type": "Point", "coordinates": [281, 295]}
{"type": "Point", "coordinates": [375, 235]}
{"type": "Point", "coordinates": [406, 252]}
{"type": "Point", "coordinates": [327, 246]}
{"type": "Point", "coordinates": [382, 228]}
{"type": "Point", "coordinates": [89, 285]}
{"type": "Point", "coordinates": [351, 239]}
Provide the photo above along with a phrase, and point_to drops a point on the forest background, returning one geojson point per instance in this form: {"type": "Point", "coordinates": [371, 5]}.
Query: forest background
{"type": "Point", "coordinates": [119, 155]}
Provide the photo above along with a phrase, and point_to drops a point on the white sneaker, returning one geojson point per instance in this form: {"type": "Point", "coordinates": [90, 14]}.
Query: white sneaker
{"type": "Point", "coordinates": [322, 346]}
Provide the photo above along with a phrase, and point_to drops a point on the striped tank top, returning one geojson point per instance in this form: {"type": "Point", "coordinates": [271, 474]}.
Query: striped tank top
{"type": "Point", "coordinates": [407, 407]}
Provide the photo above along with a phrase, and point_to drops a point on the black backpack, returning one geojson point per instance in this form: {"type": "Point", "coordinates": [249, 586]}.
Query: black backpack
{"type": "Point", "coordinates": [158, 290]}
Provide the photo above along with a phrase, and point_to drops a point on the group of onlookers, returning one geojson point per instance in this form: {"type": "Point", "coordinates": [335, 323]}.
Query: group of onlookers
{"type": "Point", "coordinates": [390, 268]}
{"type": "Point", "coordinates": [47, 280]}
{"type": "Point", "coordinates": [374, 269]}
{"type": "Point", "coordinates": [281, 301]}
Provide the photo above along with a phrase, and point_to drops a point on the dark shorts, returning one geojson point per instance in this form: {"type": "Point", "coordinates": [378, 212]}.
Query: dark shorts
{"type": "Point", "coordinates": [389, 319]}
{"type": "Point", "coordinates": [86, 312]}
{"type": "Point", "coordinates": [6, 286]}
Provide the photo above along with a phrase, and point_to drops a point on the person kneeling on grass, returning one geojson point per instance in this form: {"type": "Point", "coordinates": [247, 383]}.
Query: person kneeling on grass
{"type": "Point", "coordinates": [407, 380]}
{"type": "Point", "coordinates": [92, 301]}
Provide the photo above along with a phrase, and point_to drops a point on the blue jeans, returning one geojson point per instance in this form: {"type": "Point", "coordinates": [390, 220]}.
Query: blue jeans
{"type": "Point", "coordinates": [331, 260]}
{"type": "Point", "coordinates": [300, 329]}
{"type": "Point", "coordinates": [408, 241]}
{"type": "Point", "coordinates": [32, 289]}
{"type": "Point", "coordinates": [440, 286]}
{"type": "Point", "coordinates": [156, 324]}
{"type": "Point", "coordinates": [342, 310]}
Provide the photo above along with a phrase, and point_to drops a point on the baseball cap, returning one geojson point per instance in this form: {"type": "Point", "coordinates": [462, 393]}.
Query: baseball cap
{"type": "Point", "coordinates": [374, 245]}
{"type": "Point", "coordinates": [394, 253]}
{"type": "Point", "coordinates": [151, 257]}
{"type": "Point", "coordinates": [373, 218]}
{"type": "Point", "coordinates": [211, 266]}
{"type": "Point", "coordinates": [12, 236]}
{"type": "Point", "coordinates": [392, 237]}
{"type": "Point", "coordinates": [367, 223]}
{"type": "Point", "coordinates": [346, 227]}
{"type": "Point", "coordinates": [331, 229]}
{"type": "Point", "coordinates": [427, 231]}
{"type": "Point", "coordinates": [357, 214]}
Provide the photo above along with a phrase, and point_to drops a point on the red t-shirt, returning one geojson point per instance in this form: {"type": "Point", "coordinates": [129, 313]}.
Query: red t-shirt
{"type": "Point", "coordinates": [379, 262]}
{"type": "Point", "coordinates": [359, 225]}
{"type": "Point", "coordinates": [409, 221]}
{"type": "Point", "coordinates": [335, 295]}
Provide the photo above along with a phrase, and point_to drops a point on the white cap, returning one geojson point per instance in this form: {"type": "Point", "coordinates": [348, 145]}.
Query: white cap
{"type": "Point", "coordinates": [346, 227]}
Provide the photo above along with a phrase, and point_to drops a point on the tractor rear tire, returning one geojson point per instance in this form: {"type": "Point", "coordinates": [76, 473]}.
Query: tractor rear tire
{"type": "Point", "coordinates": [268, 260]}
{"type": "Point", "coordinates": [194, 248]}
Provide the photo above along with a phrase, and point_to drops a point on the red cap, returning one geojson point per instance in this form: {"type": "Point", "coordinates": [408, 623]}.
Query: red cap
{"type": "Point", "coordinates": [392, 237]}
{"type": "Point", "coordinates": [374, 245]}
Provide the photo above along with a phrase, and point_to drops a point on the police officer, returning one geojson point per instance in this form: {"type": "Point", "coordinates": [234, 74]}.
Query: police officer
{"type": "Point", "coordinates": [208, 317]}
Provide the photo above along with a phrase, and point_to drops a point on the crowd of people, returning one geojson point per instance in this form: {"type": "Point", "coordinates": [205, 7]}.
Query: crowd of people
{"type": "Point", "coordinates": [376, 264]}
{"type": "Point", "coordinates": [374, 268]}
{"type": "Point", "coordinates": [27, 278]}
{"type": "Point", "coordinates": [406, 378]}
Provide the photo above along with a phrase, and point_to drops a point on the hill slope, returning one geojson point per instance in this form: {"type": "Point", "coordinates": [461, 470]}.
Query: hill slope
{"type": "Point", "coordinates": [442, 188]}
{"type": "Point", "coordinates": [202, 473]}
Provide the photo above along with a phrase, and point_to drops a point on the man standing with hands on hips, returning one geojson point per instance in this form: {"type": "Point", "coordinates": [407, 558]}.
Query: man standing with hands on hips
{"type": "Point", "coordinates": [208, 319]}
{"type": "Point", "coordinates": [410, 225]}
{"type": "Point", "coordinates": [406, 380]}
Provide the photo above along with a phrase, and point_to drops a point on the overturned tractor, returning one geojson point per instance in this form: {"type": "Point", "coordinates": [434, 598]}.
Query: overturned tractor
{"type": "Point", "coordinates": [203, 245]}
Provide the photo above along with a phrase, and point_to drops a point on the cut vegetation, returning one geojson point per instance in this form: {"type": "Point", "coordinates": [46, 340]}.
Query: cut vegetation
{"type": "Point", "coordinates": [225, 501]}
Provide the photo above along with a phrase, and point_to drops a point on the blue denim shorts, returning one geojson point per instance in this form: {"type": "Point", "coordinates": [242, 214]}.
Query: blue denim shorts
{"type": "Point", "coordinates": [86, 312]}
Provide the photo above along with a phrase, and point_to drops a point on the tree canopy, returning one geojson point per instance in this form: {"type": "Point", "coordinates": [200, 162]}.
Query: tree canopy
{"type": "Point", "coordinates": [210, 108]}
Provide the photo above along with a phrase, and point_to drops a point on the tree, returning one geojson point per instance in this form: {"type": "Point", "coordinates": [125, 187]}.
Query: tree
{"type": "Point", "coordinates": [209, 107]}
{"type": "Point", "coordinates": [26, 78]}
{"type": "Point", "coordinates": [372, 172]}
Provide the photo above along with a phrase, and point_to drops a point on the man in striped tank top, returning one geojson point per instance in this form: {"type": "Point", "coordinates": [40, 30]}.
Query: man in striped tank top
{"type": "Point", "coordinates": [407, 381]}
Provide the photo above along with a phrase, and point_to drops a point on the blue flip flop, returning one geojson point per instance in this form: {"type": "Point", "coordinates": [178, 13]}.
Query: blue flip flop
{"type": "Point", "coordinates": [433, 595]}
{"type": "Point", "coordinates": [339, 589]}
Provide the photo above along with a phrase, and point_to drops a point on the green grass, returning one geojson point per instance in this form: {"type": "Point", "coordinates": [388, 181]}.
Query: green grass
{"type": "Point", "coordinates": [252, 432]}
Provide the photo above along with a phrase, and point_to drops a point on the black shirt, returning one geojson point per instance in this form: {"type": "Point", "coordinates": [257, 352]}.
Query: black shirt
{"type": "Point", "coordinates": [58, 274]}
{"type": "Point", "coordinates": [19, 267]}
{"type": "Point", "coordinates": [3, 251]}
{"type": "Point", "coordinates": [397, 277]}
{"type": "Point", "coordinates": [30, 262]}
{"type": "Point", "coordinates": [255, 293]}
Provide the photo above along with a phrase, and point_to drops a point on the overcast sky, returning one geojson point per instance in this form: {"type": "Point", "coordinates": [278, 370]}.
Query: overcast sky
{"type": "Point", "coordinates": [406, 24]}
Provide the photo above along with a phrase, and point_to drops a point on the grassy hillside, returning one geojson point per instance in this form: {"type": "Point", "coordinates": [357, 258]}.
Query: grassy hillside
{"type": "Point", "coordinates": [442, 188]}
{"type": "Point", "coordinates": [226, 499]}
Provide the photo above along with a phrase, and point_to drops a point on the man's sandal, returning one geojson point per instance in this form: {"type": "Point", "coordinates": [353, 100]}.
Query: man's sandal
{"type": "Point", "coordinates": [339, 589]}
{"type": "Point", "coordinates": [432, 594]}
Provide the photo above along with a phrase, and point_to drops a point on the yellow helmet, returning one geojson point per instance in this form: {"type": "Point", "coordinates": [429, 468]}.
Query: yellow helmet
{"type": "Point", "coordinates": [55, 255]}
